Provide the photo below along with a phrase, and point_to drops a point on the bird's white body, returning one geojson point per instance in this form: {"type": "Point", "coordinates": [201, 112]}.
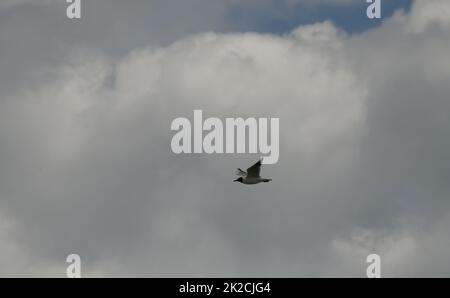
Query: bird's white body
{"type": "Point", "coordinates": [254, 180]}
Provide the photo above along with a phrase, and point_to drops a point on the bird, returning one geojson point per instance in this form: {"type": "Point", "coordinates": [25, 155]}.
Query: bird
{"type": "Point", "coordinates": [252, 176]}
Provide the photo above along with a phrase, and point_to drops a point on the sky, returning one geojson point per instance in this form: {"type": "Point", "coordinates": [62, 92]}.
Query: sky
{"type": "Point", "coordinates": [86, 165]}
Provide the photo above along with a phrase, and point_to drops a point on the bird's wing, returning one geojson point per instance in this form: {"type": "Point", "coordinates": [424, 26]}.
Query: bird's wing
{"type": "Point", "coordinates": [254, 170]}
{"type": "Point", "coordinates": [240, 172]}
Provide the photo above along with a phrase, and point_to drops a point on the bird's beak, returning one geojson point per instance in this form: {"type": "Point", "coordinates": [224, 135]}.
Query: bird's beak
{"type": "Point", "coordinates": [236, 180]}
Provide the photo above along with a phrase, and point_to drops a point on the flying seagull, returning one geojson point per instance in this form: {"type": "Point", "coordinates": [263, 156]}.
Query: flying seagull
{"type": "Point", "coordinates": [252, 176]}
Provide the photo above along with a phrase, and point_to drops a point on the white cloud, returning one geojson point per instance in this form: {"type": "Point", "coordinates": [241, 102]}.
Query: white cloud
{"type": "Point", "coordinates": [427, 13]}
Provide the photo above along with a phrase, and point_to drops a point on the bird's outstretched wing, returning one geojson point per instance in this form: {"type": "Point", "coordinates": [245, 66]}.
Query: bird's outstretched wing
{"type": "Point", "coordinates": [240, 172]}
{"type": "Point", "coordinates": [254, 170]}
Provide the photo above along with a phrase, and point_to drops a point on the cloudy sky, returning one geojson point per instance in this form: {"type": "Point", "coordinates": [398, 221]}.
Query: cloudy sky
{"type": "Point", "coordinates": [85, 159]}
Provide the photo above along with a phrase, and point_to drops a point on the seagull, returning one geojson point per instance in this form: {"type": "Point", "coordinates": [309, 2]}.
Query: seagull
{"type": "Point", "coordinates": [252, 176]}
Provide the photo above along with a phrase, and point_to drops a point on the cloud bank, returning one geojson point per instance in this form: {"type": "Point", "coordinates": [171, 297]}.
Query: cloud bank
{"type": "Point", "coordinates": [364, 163]}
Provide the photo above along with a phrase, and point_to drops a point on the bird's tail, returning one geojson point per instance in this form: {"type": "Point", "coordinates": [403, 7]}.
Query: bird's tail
{"type": "Point", "coordinates": [240, 172]}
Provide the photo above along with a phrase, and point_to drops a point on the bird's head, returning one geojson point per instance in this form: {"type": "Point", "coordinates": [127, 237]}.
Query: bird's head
{"type": "Point", "coordinates": [238, 180]}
